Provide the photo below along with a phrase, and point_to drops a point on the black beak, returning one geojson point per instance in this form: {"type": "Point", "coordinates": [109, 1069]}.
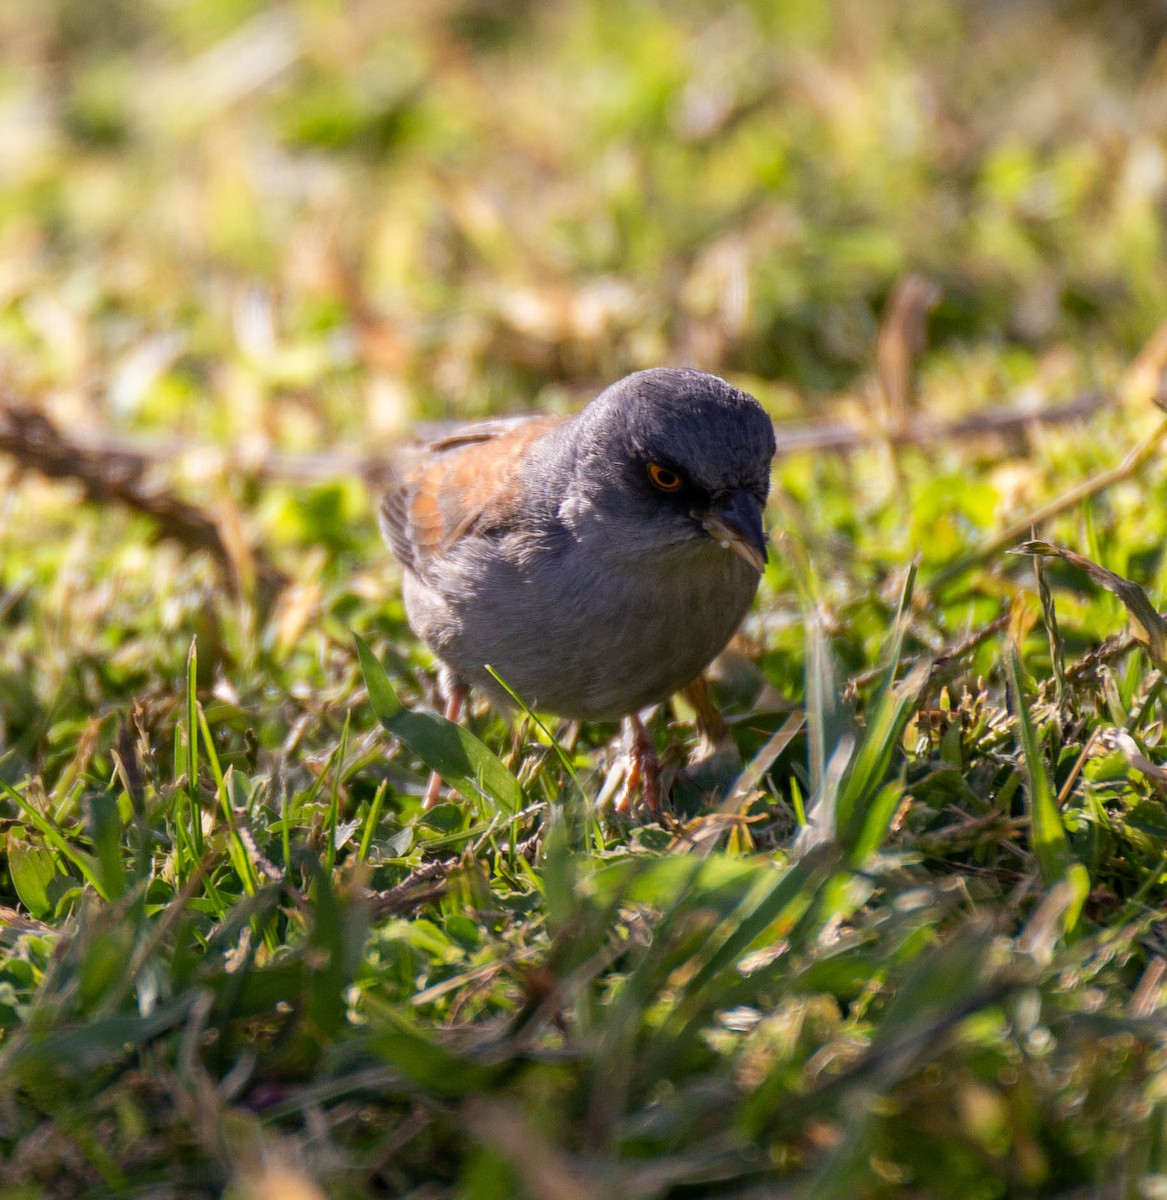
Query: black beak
{"type": "Point", "coordinates": [735, 520]}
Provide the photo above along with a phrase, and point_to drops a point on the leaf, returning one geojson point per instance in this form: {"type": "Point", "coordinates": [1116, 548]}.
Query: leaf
{"type": "Point", "coordinates": [464, 762]}
{"type": "Point", "coordinates": [105, 830]}
{"type": "Point", "coordinates": [334, 942]}
{"type": "Point", "coordinates": [792, 891]}
{"type": "Point", "coordinates": [825, 722]}
{"type": "Point", "coordinates": [33, 870]}
{"type": "Point", "coordinates": [1148, 627]}
{"type": "Point", "coordinates": [1057, 644]}
{"type": "Point", "coordinates": [74, 1050]}
{"type": "Point", "coordinates": [398, 846]}
{"type": "Point", "coordinates": [85, 863]}
{"type": "Point", "coordinates": [538, 722]}
{"type": "Point", "coordinates": [861, 823]}
{"type": "Point", "coordinates": [878, 813]}
{"type": "Point", "coordinates": [192, 743]}
{"type": "Point", "coordinates": [370, 828]}
{"type": "Point", "coordinates": [446, 818]}
{"type": "Point", "coordinates": [1047, 832]}
{"type": "Point", "coordinates": [703, 834]}
{"type": "Point", "coordinates": [404, 1045]}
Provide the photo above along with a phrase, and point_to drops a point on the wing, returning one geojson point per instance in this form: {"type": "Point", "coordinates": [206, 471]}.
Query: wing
{"type": "Point", "coordinates": [466, 483]}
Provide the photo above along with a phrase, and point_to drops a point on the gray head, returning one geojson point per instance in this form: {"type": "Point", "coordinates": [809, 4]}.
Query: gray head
{"type": "Point", "coordinates": [680, 457]}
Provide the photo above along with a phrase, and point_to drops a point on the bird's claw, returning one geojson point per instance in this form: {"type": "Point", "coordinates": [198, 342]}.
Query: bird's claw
{"type": "Point", "coordinates": [643, 772]}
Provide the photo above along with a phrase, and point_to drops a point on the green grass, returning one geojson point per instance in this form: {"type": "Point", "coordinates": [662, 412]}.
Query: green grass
{"type": "Point", "coordinates": [917, 949]}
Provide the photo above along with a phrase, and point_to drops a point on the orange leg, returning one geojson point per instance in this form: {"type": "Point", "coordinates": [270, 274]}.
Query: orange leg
{"type": "Point", "coordinates": [433, 791]}
{"type": "Point", "coordinates": [643, 768]}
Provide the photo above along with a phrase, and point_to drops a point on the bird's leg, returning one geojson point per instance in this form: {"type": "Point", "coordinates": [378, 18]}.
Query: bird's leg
{"type": "Point", "coordinates": [711, 727]}
{"type": "Point", "coordinates": [715, 761]}
{"type": "Point", "coordinates": [454, 700]}
{"type": "Point", "coordinates": [643, 768]}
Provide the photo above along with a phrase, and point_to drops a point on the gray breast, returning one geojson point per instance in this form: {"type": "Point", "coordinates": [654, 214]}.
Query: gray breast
{"type": "Point", "coordinates": [579, 641]}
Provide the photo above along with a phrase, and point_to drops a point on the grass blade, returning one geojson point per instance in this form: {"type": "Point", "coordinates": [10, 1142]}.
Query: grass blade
{"type": "Point", "coordinates": [1047, 831]}
{"type": "Point", "coordinates": [192, 748]}
{"type": "Point", "coordinates": [869, 766]}
{"type": "Point", "coordinates": [464, 762]}
{"type": "Point", "coordinates": [334, 801]}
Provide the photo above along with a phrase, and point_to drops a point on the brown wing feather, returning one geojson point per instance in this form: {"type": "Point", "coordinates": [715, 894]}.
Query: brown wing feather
{"type": "Point", "coordinates": [465, 484]}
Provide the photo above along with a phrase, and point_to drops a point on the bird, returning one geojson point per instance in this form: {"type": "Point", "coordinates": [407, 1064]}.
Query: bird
{"type": "Point", "coordinates": [596, 563]}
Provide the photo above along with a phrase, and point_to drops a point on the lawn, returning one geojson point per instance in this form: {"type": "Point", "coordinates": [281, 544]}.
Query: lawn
{"type": "Point", "coordinates": [904, 934]}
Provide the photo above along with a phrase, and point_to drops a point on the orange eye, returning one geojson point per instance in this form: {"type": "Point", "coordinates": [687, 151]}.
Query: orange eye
{"type": "Point", "coordinates": [663, 478]}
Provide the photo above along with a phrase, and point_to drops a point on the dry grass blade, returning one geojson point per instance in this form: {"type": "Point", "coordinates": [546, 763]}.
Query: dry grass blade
{"type": "Point", "coordinates": [1146, 997]}
{"type": "Point", "coordinates": [425, 885]}
{"type": "Point", "coordinates": [901, 338]}
{"type": "Point", "coordinates": [704, 833]}
{"type": "Point", "coordinates": [1148, 627]}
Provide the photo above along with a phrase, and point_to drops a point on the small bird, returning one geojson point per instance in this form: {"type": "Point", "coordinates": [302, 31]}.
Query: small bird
{"type": "Point", "coordinates": [596, 562]}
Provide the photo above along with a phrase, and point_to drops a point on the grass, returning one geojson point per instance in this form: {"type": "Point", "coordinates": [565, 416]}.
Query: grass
{"type": "Point", "coordinates": [914, 944]}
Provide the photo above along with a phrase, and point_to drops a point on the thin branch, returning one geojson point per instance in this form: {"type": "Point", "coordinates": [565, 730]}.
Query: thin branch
{"type": "Point", "coordinates": [108, 475]}
{"type": "Point", "coordinates": [841, 437]}
{"type": "Point", "coordinates": [817, 437]}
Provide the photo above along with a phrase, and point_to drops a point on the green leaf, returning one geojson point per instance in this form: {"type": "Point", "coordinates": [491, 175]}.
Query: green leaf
{"type": "Point", "coordinates": [558, 876]}
{"type": "Point", "coordinates": [791, 892]}
{"type": "Point", "coordinates": [399, 845]}
{"type": "Point", "coordinates": [564, 759]}
{"type": "Point", "coordinates": [33, 870]}
{"type": "Point", "coordinates": [445, 818]}
{"type": "Point", "coordinates": [83, 1048]}
{"type": "Point", "coordinates": [102, 969]}
{"type": "Point", "coordinates": [1047, 832]}
{"type": "Point", "coordinates": [105, 829]}
{"type": "Point", "coordinates": [85, 863]}
{"type": "Point", "coordinates": [369, 830]}
{"type": "Point", "coordinates": [877, 818]}
{"type": "Point", "coordinates": [464, 762]}
{"type": "Point", "coordinates": [860, 823]}
{"type": "Point", "coordinates": [334, 945]}
{"type": "Point", "coordinates": [826, 722]}
{"type": "Point", "coordinates": [401, 1043]}
{"type": "Point", "coordinates": [192, 743]}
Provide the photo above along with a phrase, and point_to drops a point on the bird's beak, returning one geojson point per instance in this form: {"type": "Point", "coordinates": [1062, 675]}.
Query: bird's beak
{"type": "Point", "coordinates": [735, 520]}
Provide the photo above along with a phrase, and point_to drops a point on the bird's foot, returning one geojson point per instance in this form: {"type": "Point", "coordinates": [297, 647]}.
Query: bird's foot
{"type": "Point", "coordinates": [712, 731]}
{"type": "Point", "coordinates": [454, 702]}
{"type": "Point", "coordinates": [643, 772]}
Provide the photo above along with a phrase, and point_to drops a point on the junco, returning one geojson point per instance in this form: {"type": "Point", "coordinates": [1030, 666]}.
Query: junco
{"type": "Point", "coordinates": [597, 562]}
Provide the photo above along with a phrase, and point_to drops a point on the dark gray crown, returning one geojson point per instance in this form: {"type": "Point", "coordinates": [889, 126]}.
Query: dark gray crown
{"type": "Point", "coordinates": [719, 435]}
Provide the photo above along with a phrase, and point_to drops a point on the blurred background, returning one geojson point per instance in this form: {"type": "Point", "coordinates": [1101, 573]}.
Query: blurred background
{"type": "Point", "coordinates": [312, 221]}
{"type": "Point", "coordinates": [237, 235]}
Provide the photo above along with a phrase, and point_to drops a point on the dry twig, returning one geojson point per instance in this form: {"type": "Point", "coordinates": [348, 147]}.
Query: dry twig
{"type": "Point", "coordinates": [817, 437]}
{"type": "Point", "coordinates": [109, 475]}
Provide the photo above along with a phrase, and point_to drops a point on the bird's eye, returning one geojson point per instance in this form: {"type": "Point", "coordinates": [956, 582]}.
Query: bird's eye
{"type": "Point", "coordinates": [663, 478]}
